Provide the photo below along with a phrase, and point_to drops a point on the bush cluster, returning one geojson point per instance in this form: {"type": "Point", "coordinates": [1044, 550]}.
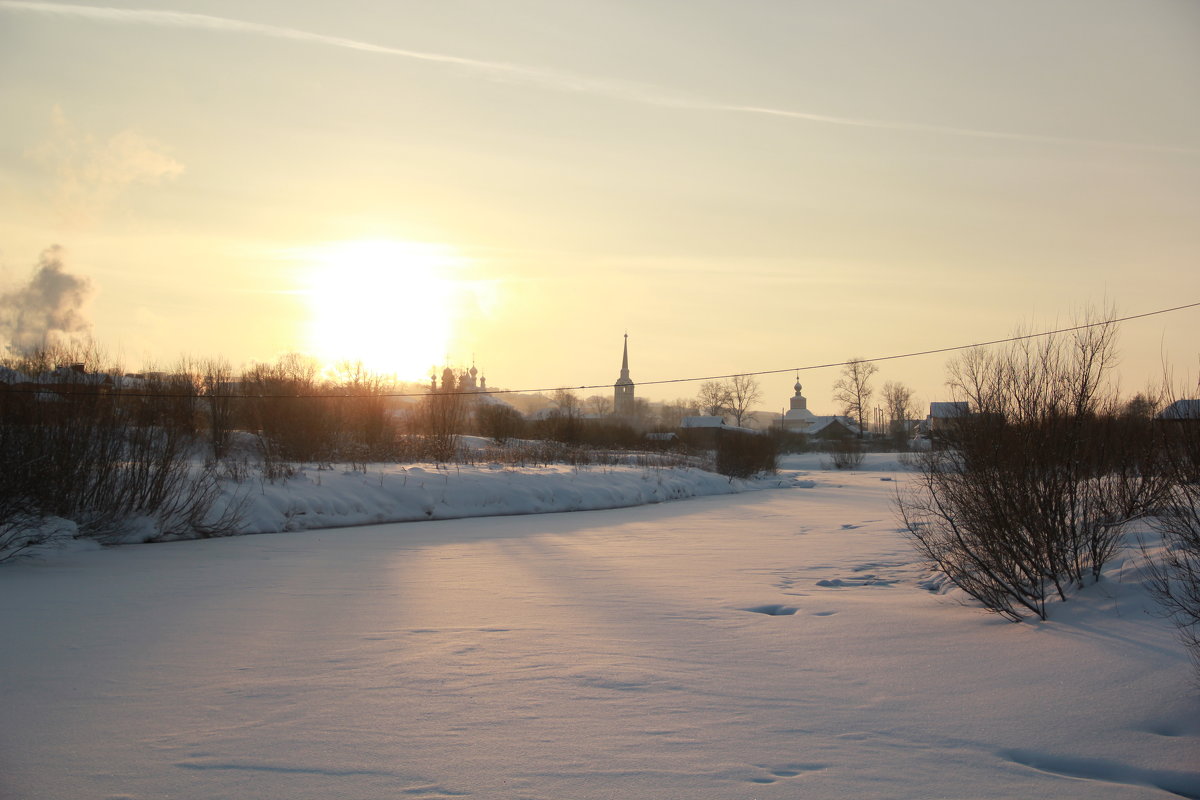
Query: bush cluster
{"type": "Point", "coordinates": [77, 451]}
{"type": "Point", "coordinates": [1029, 495]}
{"type": "Point", "coordinates": [1175, 572]}
{"type": "Point", "coordinates": [742, 455]}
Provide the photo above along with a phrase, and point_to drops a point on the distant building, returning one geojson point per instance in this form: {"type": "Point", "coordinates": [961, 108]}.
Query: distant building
{"type": "Point", "coordinates": [463, 382]}
{"type": "Point", "coordinates": [832, 428]}
{"type": "Point", "coordinates": [623, 402]}
{"type": "Point", "coordinates": [943, 414]}
{"type": "Point", "coordinates": [798, 419]}
{"type": "Point", "coordinates": [706, 431]}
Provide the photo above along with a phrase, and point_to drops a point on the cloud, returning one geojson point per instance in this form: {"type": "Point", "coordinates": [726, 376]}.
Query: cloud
{"type": "Point", "coordinates": [47, 311]}
{"type": "Point", "coordinates": [90, 174]}
{"type": "Point", "coordinates": [551, 79]}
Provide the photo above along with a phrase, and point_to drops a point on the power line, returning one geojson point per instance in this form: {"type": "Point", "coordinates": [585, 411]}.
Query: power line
{"type": "Point", "coordinates": [660, 382]}
{"type": "Point", "coordinates": [844, 363]}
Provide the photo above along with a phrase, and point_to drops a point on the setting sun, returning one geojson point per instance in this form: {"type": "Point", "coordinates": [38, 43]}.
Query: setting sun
{"type": "Point", "coordinates": [388, 304]}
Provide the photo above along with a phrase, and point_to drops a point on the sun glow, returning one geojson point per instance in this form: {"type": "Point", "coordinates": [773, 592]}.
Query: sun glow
{"type": "Point", "coordinates": [385, 303]}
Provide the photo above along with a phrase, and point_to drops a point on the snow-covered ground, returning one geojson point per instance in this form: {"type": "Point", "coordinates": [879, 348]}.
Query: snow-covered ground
{"type": "Point", "coordinates": [768, 644]}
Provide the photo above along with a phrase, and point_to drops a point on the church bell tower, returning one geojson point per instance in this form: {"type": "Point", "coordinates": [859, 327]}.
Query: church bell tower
{"type": "Point", "coordinates": [623, 388]}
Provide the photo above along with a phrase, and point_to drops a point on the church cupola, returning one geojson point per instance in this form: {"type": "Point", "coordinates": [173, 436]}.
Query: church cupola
{"type": "Point", "coordinates": [799, 402]}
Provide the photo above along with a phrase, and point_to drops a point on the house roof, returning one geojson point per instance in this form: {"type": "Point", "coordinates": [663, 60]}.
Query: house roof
{"type": "Point", "coordinates": [1181, 409]}
{"type": "Point", "coordinates": [823, 423]}
{"type": "Point", "coordinates": [702, 422]}
{"type": "Point", "coordinates": [942, 410]}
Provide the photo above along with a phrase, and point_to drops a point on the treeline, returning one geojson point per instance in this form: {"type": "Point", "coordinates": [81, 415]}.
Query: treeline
{"type": "Point", "coordinates": [98, 448]}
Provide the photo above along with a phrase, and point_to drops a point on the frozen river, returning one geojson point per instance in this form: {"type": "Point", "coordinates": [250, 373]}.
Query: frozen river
{"type": "Point", "coordinates": [780, 644]}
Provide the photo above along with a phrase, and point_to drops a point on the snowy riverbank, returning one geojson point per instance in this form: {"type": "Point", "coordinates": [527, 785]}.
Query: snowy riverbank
{"type": "Point", "coordinates": [340, 496]}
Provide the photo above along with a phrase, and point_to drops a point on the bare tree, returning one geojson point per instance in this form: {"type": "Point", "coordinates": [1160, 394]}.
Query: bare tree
{"type": "Point", "coordinates": [714, 398]}
{"type": "Point", "coordinates": [565, 417]}
{"type": "Point", "coordinates": [293, 416]}
{"type": "Point", "coordinates": [1143, 405]}
{"type": "Point", "coordinates": [567, 403]}
{"type": "Point", "coordinates": [600, 405]}
{"type": "Point", "coordinates": [441, 416]}
{"type": "Point", "coordinates": [853, 390]}
{"type": "Point", "coordinates": [743, 392]}
{"type": "Point", "coordinates": [899, 407]}
{"type": "Point", "coordinates": [368, 425]}
{"type": "Point", "coordinates": [218, 390]}
{"type": "Point", "coordinates": [670, 415]}
{"type": "Point", "coordinates": [641, 411]}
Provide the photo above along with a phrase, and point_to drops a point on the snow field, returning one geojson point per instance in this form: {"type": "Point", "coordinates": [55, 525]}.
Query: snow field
{"type": "Point", "coordinates": [775, 644]}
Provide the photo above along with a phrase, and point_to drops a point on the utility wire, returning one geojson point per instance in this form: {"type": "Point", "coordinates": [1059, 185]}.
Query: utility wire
{"type": "Point", "coordinates": [661, 382]}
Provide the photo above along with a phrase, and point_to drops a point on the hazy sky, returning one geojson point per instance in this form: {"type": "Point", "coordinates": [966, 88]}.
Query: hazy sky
{"type": "Point", "coordinates": [741, 185]}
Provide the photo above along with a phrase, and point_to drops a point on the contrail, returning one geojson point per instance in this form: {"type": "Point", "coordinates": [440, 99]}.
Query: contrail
{"type": "Point", "coordinates": [562, 81]}
{"type": "Point", "coordinates": [916, 127]}
{"type": "Point", "coordinates": [181, 19]}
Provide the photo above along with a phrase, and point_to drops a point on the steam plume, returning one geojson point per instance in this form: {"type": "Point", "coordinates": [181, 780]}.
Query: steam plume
{"type": "Point", "coordinates": [47, 311]}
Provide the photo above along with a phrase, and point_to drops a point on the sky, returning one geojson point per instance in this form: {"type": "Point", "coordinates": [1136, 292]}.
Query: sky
{"type": "Point", "coordinates": [740, 187]}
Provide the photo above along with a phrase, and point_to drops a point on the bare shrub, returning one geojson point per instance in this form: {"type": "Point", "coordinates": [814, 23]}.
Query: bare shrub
{"type": "Point", "coordinates": [742, 455]}
{"type": "Point", "coordinates": [1035, 487]}
{"type": "Point", "coordinates": [188, 511]}
{"type": "Point", "coordinates": [845, 454]}
{"type": "Point", "coordinates": [290, 411]}
{"type": "Point", "coordinates": [81, 450]}
{"type": "Point", "coordinates": [1174, 576]}
{"type": "Point", "coordinates": [20, 524]}
{"type": "Point", "coordinates": [540, 453]}
{"type": "Point", "coordinates": [499, 422]}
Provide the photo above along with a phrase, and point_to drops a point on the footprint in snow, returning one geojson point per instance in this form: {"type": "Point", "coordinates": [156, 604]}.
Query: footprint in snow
{"type": "Point", "coordinates": [773, 610]}
{"type": "Point", "coordinates": [785, 771]}
{"type": "Point", "coordinates": [862, 580]}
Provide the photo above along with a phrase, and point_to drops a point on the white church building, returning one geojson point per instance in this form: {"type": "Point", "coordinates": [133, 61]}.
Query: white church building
{"type": "Point", "coordinates": [798, 419]}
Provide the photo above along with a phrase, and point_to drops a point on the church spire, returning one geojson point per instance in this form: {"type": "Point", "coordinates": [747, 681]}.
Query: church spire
{"type": "Point", "coordinates": [625, 360]}
{"type": "Point", "coordinates": [623, 389]}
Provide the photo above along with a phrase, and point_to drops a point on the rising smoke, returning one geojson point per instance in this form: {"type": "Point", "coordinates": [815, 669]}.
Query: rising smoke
{"type": "Point", "coordinates": [47, 311]}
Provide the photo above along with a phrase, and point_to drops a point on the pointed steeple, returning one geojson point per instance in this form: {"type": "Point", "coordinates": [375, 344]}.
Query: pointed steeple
{"type": "Point", "coordinates": [623, 388]}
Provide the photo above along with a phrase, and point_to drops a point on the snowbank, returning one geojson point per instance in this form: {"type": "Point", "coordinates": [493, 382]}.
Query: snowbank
{"type": "Point", "coordinates": [391, 493]}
